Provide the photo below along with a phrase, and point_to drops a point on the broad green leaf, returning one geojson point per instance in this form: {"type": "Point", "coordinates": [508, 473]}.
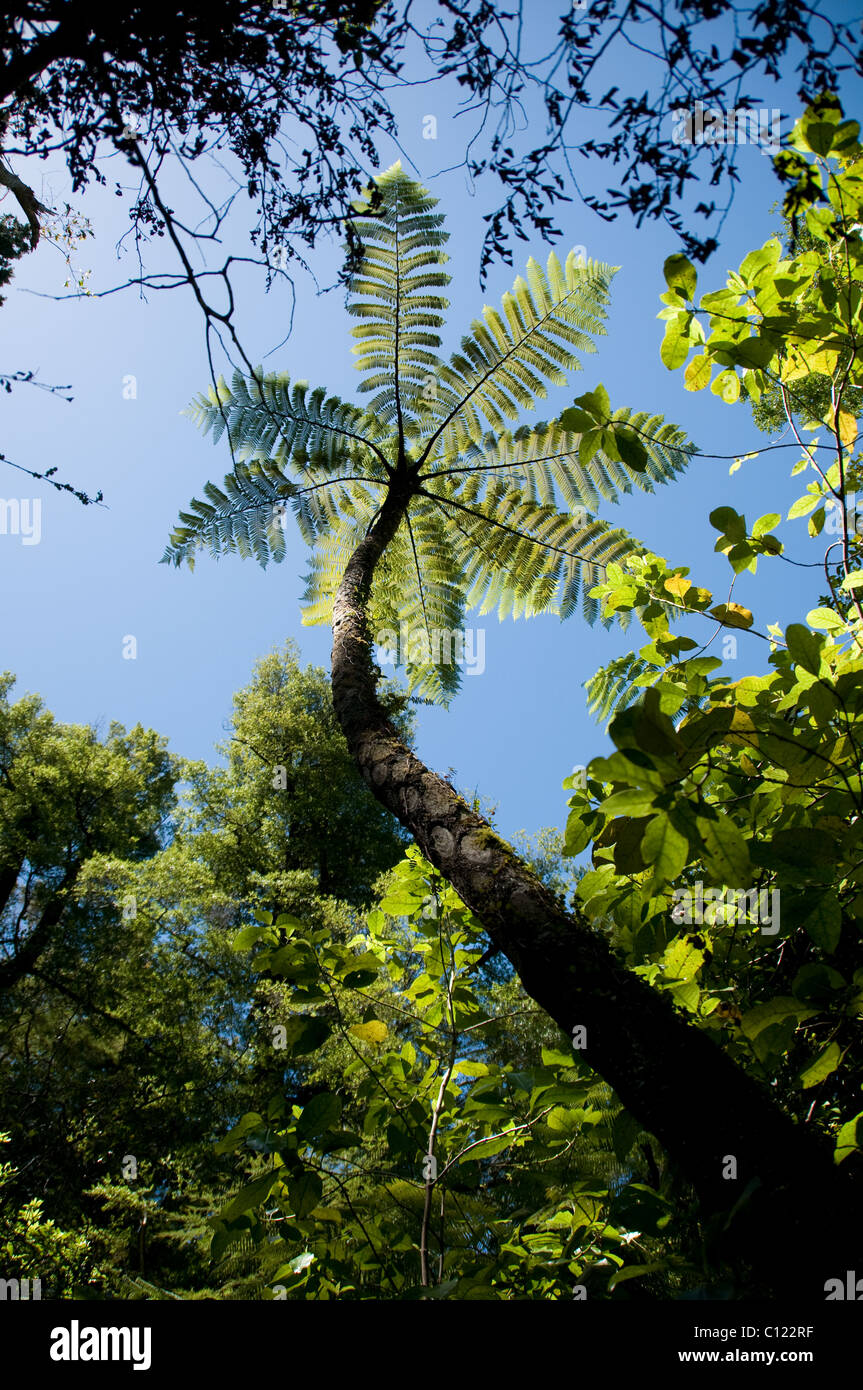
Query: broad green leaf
{"type": "Point", "coordinates": [631, 450]}
{"type": "Point", "coordinates": [849, 1138]}
{"type": "Point", "coordinates": [305, 1034]}
{"type": "Point", "coordinates": [730, 522]}
{"type": "Point", "coordinates": [805, 647]}
{"type": "Point", "coordinates": [680, 274]}
{"type": "Point", "coordinates": [297, 1265]}
{"type": "Point", "coordinates": [489, 1148]}
{"type": "Point", "coordinates": [825, 618]}
{"type": "Point", "coordinates": [252, 1195]}
{"type": "Point", "coordinates": [322, 1112]}
{"type": "Point", "coordinates": [235, 1136]}
{"type": "Point", "coordinates": [634, 1272]}
{"type": "Point", "coordinates": [635, 801]}
{"type": "Point", "coordinates": [823, 1066]}
{"type": "Point", "coordinates": [249, 936]}
{"type": "Point", "coordinates": [304, 1190]}
{"type": "Point", "coordinates": [665, 848]}
{"type": "Point", "coordinates": [818, 912]}
{"type": "Point", "coordinates": [804, 505]}
{"type": "Point", "coordinates": [777, 1010]}
{"type": "Point", "coordinates": [727, 386]}
{"type": "Point", "coordinates": [676, 342]}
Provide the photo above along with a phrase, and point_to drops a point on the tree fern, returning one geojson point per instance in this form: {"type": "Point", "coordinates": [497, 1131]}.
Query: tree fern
{"type": "Point", "coordinates": [500, 515]}
{"type": "Point", "coordinates": [624, 680]}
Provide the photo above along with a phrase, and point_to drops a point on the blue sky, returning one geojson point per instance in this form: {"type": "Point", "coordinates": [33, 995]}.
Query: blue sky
{"type": "Point", "coordinates": [515, 731]}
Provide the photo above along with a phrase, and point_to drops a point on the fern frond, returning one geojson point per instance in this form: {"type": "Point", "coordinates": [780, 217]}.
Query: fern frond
{"type": "Point", "coordinates": [248, 516]}
{"type": "Point", "coordinates": [268, 419]}
{"type": "Point", "coordinates": [523, 557]}
{"type": "Point", "coordinates": [509, 356]}
{"type": "Point", "coordinates": [612, 689]}
{"type": "Point", "coordinates": [396, 294]}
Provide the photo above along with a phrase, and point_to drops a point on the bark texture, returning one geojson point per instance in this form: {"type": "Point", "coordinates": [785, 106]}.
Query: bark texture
{"type": "Point", "coordinates": [797, 1217]}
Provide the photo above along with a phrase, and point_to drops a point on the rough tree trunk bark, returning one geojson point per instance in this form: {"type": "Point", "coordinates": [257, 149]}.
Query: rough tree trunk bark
{"type": "Point", "coordinates": [800, 1222]}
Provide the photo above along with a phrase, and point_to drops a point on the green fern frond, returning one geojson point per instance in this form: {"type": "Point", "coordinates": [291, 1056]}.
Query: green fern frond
{"type": "Point", "coordinates": [523, 557]}
{"type": "Point", "coordinates": [545, 461]}
{"type": "Point", "coordinates": [248, 516]}
{"type": "Point", "coordinates": [396, 294]}
{"type": "Point", "coordinates": [509, 356]}
{"type": "Point", "coordinates": [269, 420]}
{"type": "Point", "coordinates": [612, 689]}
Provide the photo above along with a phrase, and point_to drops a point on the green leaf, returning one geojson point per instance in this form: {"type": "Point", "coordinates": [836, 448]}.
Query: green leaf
{"type": "Point", "coordinates": [576, 420]}
{"type": "Point", "coordinates": [805, 647]}
{"type": "Point", "coordinates": [826, 618]}
{"type": "Point", "coordinates": [304, 1190]}
{"type": "Point", "coordinates": [305, 1034]}
{"type": "Point", "coordinates": [596, 403]}
{"type": "Point", "coordinates": [625, 1129]}
{"type": "Point", "coordinates": [676, 342]}
{"type": "Point", "coordinates": [818, 912]}
{"type": "Point", "coordinates": [401, 904]}
{"type": "Point", "coordinates": [554, 1057]}
{"type": "Point", "coordinates": [488, 1148]}
{"type": "Point", "coordinates": [251, 1196]}
{"type": "Point", "coordinates": [632, 451]}
{"type": "Point", "coordinates": [634, 1272]}
{"type": "Point", "coordinates": [727, 386]}
{"type": "Point", "coordinates": [297, 1265]}
{"type": "Point", "coordinates": [823, 1066]}
{"type": "Point", "coordinates": [634, 801]}
{"type": "Point", "coordinates": [849, 1138]}
{"type": "Point", "coordinates": [680, 274]}
{"type": "Point", "coordinates": [804, 505]}
{"type": "Point", "coordinates": [777, 1010]}
{"type": "Point", "coordinates": [729, 522]}
{"type": "Point", "coordinates": [323, 1112]}
{"type": "Point", "coordinates": [819, 135]}
{"type": "Point", "coordinates": [249, 936]}
{"type": "Point", "coordinates": [726, 853]}
{"type": "Point", "coordinates": [232, 1140]}
{"type": "Point", "coordinates": [665, 848]}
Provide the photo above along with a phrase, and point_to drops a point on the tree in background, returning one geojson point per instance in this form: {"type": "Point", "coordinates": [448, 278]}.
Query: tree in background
{"type": "Point", "coordinates": [126, 1019]}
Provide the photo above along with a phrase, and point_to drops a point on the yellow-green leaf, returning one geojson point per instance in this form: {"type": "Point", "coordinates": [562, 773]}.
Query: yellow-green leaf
{"type": "Point", "coordinates": [374, 1031]}
{"type": "Point", "coordinates": [733, 615]}
{"type": "Point", "coordinates": [697, 374]}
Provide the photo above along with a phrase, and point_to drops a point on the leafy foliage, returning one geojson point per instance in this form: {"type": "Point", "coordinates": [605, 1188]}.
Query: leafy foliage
{"type": "Point", "coordinates": [725, 826]}
{"type": "Point", "coordinates": [453, 1147]}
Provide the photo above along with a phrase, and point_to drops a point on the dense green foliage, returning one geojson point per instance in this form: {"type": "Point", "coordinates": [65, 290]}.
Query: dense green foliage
{"type": "Point", "coordinates": [255, 1046]}
{"type": "Point", "coordinates": [753, 785]}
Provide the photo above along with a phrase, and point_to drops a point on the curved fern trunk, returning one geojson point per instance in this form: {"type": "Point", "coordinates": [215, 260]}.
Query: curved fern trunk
{"type": "Point", "coordinates": [795, 1225]}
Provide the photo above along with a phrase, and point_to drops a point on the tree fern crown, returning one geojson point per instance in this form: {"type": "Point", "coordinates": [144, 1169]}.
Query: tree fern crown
{"type": "Point", "coordinates": [501, 514]}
